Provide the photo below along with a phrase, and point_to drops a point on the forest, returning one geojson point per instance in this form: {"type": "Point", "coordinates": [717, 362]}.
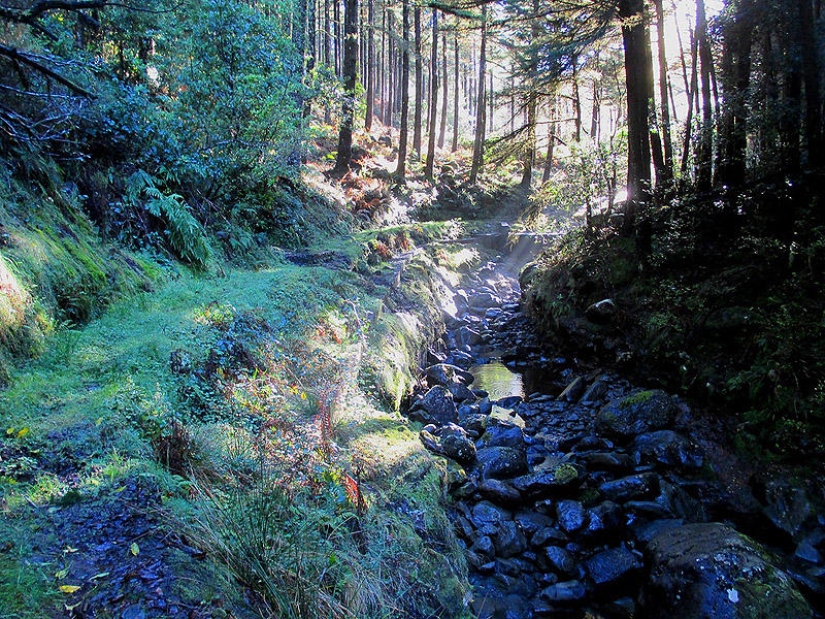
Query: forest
{"type": "Point", "coordinates": [495, 309]}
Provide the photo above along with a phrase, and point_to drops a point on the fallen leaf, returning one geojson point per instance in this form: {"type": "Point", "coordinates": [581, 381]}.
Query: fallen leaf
{"type": "Point", "coordinates": [134, 549]}
{"type": "Point", "coordinates": [101, 575]}
{"type": "Point", "coordinates": [69, 550]}
{"type": "Point", "coordinates": [67, 589]}
{"type": "Point", "coordinates": [61, 574]}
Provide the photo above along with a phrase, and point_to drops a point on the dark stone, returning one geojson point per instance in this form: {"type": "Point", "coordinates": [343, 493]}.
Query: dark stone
{"type": "Point", "coordinates": [565, 592]}
{"type": "Point", "coordinates": [604, 519]}
{"type": "Point", "coordinates": [786, 504]}
{"type": "Point", "coordinates": [602, 313]}
{"type": "Point", "coordinates": [450, 441]}
{"type": "Point", "coordinates": [548, 481]}
{"type": "Point", "coordinates": [676, 500]}
{"type": "Point", "coordinates": [510, 401]}
{"type": "Point", "coordinates": [444, 373]}
{"type": "Point", "coordinates": [573, 391]}
{"type": "Point", "coordinates": [483, 301]}
{"type": "Point", "coordinates": [710, 570]}
{"type": "Point", "coordinates": [612, 568]}
{"type": "Point", "coordinates": [562, 562]}
{"type": "Point", "coordinates": [641, 412]}
{"type": "Point", "coordinates": [460, 392]}
{"type": "Point", "coordinates": [499, 492]}
{"type": "Point", "coordinates": [467, 336]}
{"type": "Point", "coordinates": [571, 515]}
{"type": "Point", "coordinates": [502, 433]}
{"type": "Point", "coordinates": [668, 448]}
{"type": "Point", "coordinates": [509, 540]}
{"type": "Point", "coordinates": [485, 513]}
{"type": "Point", "coordinates": [596, 391]}
{"type": "Point", "coordinates": [806, 551]}
{"type": "Point", "coordinates": [607, 461]}
{"type": "Point", "coordinates": [436, 407]}
{"type": "Point", "coordinates": [474, 423]}
{"type": "Point", "coordinates": [531, 521]}
{"type": "Point", "coordinates": [633, 487]}
{"type": "Point", "coordinates": [548, 535]}
{"type": "Point", "coordinates": [501, 461]}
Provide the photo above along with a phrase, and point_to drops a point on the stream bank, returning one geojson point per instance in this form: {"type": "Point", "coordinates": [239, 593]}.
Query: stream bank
{"type": "Point", "coordinates": [578, 494]}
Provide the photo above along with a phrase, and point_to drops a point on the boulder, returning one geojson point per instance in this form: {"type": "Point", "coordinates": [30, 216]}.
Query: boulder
{"type": "Point", "coordinates": [499, 492]}
{"type": "Point", "coordinates": [641, 486]}
{"type": "Point", "coordinates": [602, 312]}
{"type": "Point", "coordinates": [566, 592]}
{"type": "Point", "coordinates": [498, 462]}
{"type": "Point", "coordinates": [667, 448]}
{"type": "Point", "coordinates": [509, 540]}
{"type": "Point", "coordinates": [436, 407]}
{"type": "Point", "coordinates": [709, 570]}
{"type": "Point", "coordinates": [483, 301]}
{"type": "Point", "coordinates": [641, 412]}
{"type": "Point", "coordinates": [445, 373]}
{"type": "Point", "coordinates": [612, 568]}
{"type": "Point", "coordinates": [450, 441]}
{"type": "Point", "coordinates": [501, 432]}
{"type": "Point", "coordinates": [486, 514]}
{"type": "Point", "coordinates": [571, 515]}
{"type": "Point", "coordinates": [562, 562]}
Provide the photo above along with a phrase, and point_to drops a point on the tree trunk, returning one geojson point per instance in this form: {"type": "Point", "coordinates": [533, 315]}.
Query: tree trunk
{"type": "Point", "coordinates": [400, 170]}
{"type": "Point", "coordinates": [442, 131]}
{"type": "Point", "coordinates": [692, 90]}
{"type": "Point", "coordinates": [635, 43]}
{"type": "Point", "coordinates": [577, 102]}
{"type": "Point", "coordinates": [656, 150]}
{"type": "Point", "coordinates": [704, 154]}
{"type": "Point", "coordinates": [813, 95]}
{"type": "Point", "coordinates": [328, 58]}
{"type": "Point", "coordinates": [370, 65]}
{"type": "Point", "coordinates": [455, 92]}
{"type": "Point", "coordinates": [551, 142]}
{"type": "Point", "coordinates": [350, 67]}
{"type": "Point", "coordinates": [433, 106]}
{"type": "Point", "coordinates": [389, 69]}
{"type": "Point", "coordinates": [336, 36]}
{"type": "Point", "coordinates": [481, 108]}
{"type": "Point", "coordinates": [663, 94]}
{"type": "Point", "coordinates": [419, 85]}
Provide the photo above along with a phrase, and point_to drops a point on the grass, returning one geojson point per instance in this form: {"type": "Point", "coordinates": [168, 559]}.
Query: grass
{"type": "Point", "coordinates": [107, 395]}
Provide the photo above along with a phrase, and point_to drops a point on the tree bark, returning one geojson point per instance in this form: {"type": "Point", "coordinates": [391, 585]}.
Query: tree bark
{"type": "Point", "coordinates": [704, 153]}
{"type": "Point", "coordinates": [433, 116]}
{"type": "Point", "coordinates": [350, 68]}
{"type": "Point", "coordinates": [481, 108]}
{"type": "Point", "coordinates": [813, 95]}
{"type": "Point", "coordinates": [419, 84]}
{"type": "Point", "coordinates": [635, 43]}
{"type": "Point", "coordinates": [400, 170]}
{"type": "Point", "coordinates": [663, 94]}
{"type": "Point", "coordinates": [442, 130]}
{"type": "Point", "coordinates": [455, 92]}
{"type": "Point", "coordinates": [370, 75]}
{"type": "Point", "coordinates": [551, 142]}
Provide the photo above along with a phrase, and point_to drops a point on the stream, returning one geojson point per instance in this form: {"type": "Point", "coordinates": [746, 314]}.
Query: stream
{"type": "Point", "coordinates": [578, 494]}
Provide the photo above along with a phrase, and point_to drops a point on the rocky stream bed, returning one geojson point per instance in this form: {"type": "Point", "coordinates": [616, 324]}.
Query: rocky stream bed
{"type": "Point", "coordinates": [578, 494]}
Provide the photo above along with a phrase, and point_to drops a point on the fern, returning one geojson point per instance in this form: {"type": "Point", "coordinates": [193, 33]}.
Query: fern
{"type": "Point", "coordinates": [186, 236]}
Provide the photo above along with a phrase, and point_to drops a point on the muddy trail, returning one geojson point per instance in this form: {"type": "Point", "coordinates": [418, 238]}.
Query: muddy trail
{"type": "Point", "coordinates": [578, 494]}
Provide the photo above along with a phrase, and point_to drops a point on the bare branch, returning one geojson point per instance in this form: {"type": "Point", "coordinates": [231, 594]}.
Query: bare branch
{"type": "Point", "coordinates": [35, 62]}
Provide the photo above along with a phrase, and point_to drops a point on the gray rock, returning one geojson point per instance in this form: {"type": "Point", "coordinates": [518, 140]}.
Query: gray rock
{"type": "Point", "coordinates": [602, 312]}
{"type": "Point", "coordinates": [596, 391]}
{"type": "Point", "coordinates": [444, 373]}
{"type": "Point", "coordinates": [571, 515]}
{"type": "Point", "coordinates": [641, 486]}
{"type": "Point", "coordinates": [499, 492]}
{"type": "Point", "coordinates": [562, 562]}
{"type": "Point", "coordinates": [467, 336]}
{"type": "Point", "coordinates": [450, 441]}
{"type": "Point", "coordinates": [436, 407]}
{"type": "Point", "coordinates": [501, 462]}
{"type": "Point", "coordinates": [509, 540]}
{"type": "Point", "coordinates": [502, 433]}
{"type": "Point", "coordinates": [531, 521]}
{"type": "Point", "coordinates": [786, 504]}
{"type": "Point", "coordinates": [565, 592]}
{"type": "Point", "coordinates": [608, 461]}
{"type": "Point", "coordinates": [548, 482]}
{"type": "Point", "coordinates": [509, 402]}
{"type": "Point", "coordinates": [483, 301]}
{"type": "Point", "coordinates": [604, 519]}
{"type": "Point", "coordinates": [666, 447]}
{"type": "Point", "coordinates": [612, 568]}
{"type": "Point", "coordinates": [485, 513]}
{"type": "Point", "coordinates": [548, 535]}
{"type": "Point", "coordinates": [709, 570]}
{"type": "Point", "coordinates": [461, 392]}
{"type": "Point", "coordinates": [573, 391]}
{"type": "Point", "coordinates": [641, 412]}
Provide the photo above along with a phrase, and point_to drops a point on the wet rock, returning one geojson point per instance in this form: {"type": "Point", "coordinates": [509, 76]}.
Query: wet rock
{"type": "Point", "coordinates": [565, 592]}
{"type": "Point", "coordinates": [786, 504]}
{"type": "Point", "coordinates": [547, 535]}
{"type": "Point", "coordinates": [604, 519]}
{"type": "Point", "coordinates": [503, 433]}
{"type": "Point", "coordinates": [485, 513]}
{"type": "Point", "coordinates": [570, 515]}
{"type": "Point", "coordinates": [460, 392]}
{"type": "Point", "coordinates": [499, 492]}
{"type": "Point", "coordinates": [509, 402]}
{"type": "Point", "coordinates": [531, 521]}
{"type": "Point", "coordinates": [467, 336]}
{"type": "Point", "coordinates": [608, 461]}
{"type": "Point", "coordinates": [641, 412]}
{"type": "Point", "coordinates": [805, 551]}
{"type": "Point", "coordinates": [666, 447]}
{"type": "Point", "coordinates": [450, 441]}
{"type": "Point", "coordinates": [710, 570]}
{"type": "Point", "coordinates": [474, 423]}
{"type": "Point", "coordinates": [612, 568]}
{"type": "Point", "coordinates": [444, 373]}
{"type": "Point", "coordinates": [436, 407]}
{"type": "Point", "coordinates": [573, 391]}
{"type": "Point", "coordinates": [562, 562]}
{"type": "Point", "coordinates": [677, 502]}
{"type": "Point", "coordinates": [596, 391]}
{"type": "Point", "coordinates": [602, 313]}
{"type": "Point", "coordinates": [633, 487]}
{"type": "Point", "coordinates": [509, 540]}
{"type": "Point", "coordinates": [483, 301]}
{"type": "Point", "coordinates": [501, 462]}
{"type": "Point", "coordinates": [547, 482]}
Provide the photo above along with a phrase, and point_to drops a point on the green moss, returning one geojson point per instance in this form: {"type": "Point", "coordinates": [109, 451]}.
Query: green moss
{"type": "Point", "coordinates": [636, 399]}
